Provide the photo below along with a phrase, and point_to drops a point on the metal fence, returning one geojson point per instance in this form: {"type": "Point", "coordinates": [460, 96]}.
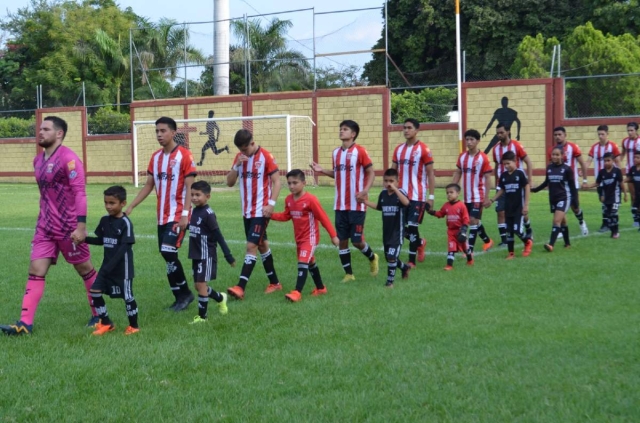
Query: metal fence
{"type": "Point", "coordinates": [602, 95]}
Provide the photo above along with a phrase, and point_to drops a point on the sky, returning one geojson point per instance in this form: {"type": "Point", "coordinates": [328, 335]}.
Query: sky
{"type": "Point", "coordinates": [335, 32]}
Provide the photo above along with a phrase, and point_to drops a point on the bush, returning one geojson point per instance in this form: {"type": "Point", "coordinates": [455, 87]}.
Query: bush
{"type": "Point", "coordinates": [107, 121]}
{"type": "Point", "coordinates": [13, 127]}
{"type": "Point", "coordinates": [428, 105]}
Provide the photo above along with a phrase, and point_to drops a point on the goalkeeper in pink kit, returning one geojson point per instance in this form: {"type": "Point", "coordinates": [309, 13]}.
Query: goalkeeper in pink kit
{"type": "Point", "coordinates": [61, 225]}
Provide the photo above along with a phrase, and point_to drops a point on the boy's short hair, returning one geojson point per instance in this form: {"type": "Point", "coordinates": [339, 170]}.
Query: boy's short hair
{"type": "Point", "coordinates": [504, 125]}
{"type": "Point", "coordinates": [634, 125]}
{"type": "Point", "coordinates": [202, 186]}
{"type": "Point", "coordinates": [456, 187]}
{"type": "Point", "coordinates": [296, 173]}
{"type": "Point", "coordinates": [473, 134]}
{"type": "Point", "coordinates": [168, 121]}
{"type": "Point", "coordinates": [413, 121]}
{"type": "Point", "coordinates": [351, 124]}
{"type": "Point", "coordinates": [391, 172]}
{"type": "Point", "coordinates": [509, 155]}
{"type": "Point", "coordinates": [604, 128]}
{"type": "Point", "coordinates": [243, 138]}
{"type": "Point", "coordinates": [559, 128]}
{"type": "Point", "coordinates": [59, 124]}
{"type": "Point", "coordinates": [116, 191]}
{"type": "Point", "coordinates": [557, 147]}
{"type": "Point", "coordinates": [608, 156]}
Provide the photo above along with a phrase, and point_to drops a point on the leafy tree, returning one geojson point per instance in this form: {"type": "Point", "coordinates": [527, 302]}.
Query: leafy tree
{"type": "Point", "coordinates": [428, 105]}
{"type": "Point", "coordinates": [330, 77]}
{"type": "Point", "coordinates": [534, 56]}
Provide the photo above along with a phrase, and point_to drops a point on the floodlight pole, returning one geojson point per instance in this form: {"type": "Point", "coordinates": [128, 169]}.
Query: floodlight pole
{"type": "Point", "coordinates": [458, 71]}
{"type": "Point", "coordinates": [386, 46]}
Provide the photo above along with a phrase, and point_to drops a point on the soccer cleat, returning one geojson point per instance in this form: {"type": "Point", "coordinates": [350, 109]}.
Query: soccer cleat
{"type": "Point", "coordinates": [184, 302]}
{"type": "Point", "coordinates": [405, 272]}
{"type": "Point", "coordinates": [421, 248]}
{"type": "Point", "coordinates": [373, 265]}
{"type": "Point", "coordinates": [511, 256]}
{"type": "Point", "coordinates": [636, 224]}
{"type": "Point", "coordinates": [130, 330]}
{"type": "Point", "coordinates": [389, 285]}
{"type": "Point", "coordinates": [18, 328]}
{"type": "Point", "coordinates": [549, 247]}
{"type": "Point", "coordinates": [411, 265]}
{"type": "Point", "coordinates": [584, 228]}
{"type": "Point", "coordinates": [348, 278]}
{"type": "Point", "coordinates": [102, 329]}
{"type": "Point", "coordinates": [294, 296]}
{"type": "Point", "coordinates": [317, 292]}
{"type": "Point", "coordinates": [615, 236]}
{"type": "Point", "coordinates": [603, 229]}
{"type": "Point", "coordinates": [93, 322]}
{"type": "Point", "coordinates": [527, 248]}
{"type": "Point", "coordinates": [470, 262]}
{"type": "Point", "coordinates": [172, 306]}
{"type": "Point", "coordinates": [236, 292]}
{"type": "Point", "coordinates": [198, 319]}
{"type": "Point", "coordinates": [502, 244]}
{"type": "Point", "coordinates": [448, 267]}
{"type": "Point", "coordinates": [222, 305]}
{"type": "Point", "coordinates": [567, 245]}
{"type": "Point", "coordinates": [273, 287]}
{"type": "Point", "coordinates": [487, 245]}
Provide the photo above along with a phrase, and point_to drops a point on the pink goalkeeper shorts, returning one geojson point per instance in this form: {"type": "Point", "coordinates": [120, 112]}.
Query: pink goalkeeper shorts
{"type": "Point", "coordinates": [50, 248]}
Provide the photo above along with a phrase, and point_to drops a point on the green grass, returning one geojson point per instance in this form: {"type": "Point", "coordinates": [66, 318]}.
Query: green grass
{"type": "Point", "coordinates": [549, 338]}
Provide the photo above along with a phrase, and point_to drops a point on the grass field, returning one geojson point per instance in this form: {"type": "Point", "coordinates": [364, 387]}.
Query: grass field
{"type": "Point", "coordinates": [549, 338]}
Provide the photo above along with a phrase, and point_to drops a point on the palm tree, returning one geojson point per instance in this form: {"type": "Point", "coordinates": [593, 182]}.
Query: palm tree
{"type": "Point", "coordinates": [273, 67]}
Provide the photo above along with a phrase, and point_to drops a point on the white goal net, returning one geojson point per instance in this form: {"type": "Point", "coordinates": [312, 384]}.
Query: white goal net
{"type": "Point", "coordinates": [288, 138]}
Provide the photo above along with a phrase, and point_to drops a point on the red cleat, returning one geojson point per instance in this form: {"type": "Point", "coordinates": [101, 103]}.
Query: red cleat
{"type": "Point", "coordinates": [236, 292]}
{"type": "Point", "coordinates": [487, 245]}
{"type": "Point", "coordinates": [527, 248]}
{"type": "Point", "coordinates": [273, 287]}
{"type": "Point", "coordinates": [420, 251]}
{"type": "Point", "coordinates": [447, 267]}
{"type": "Point", "coordinates": [317, 292]}
{"type": "Point", "coordinates": [293, 296]}
{"type": "Point", "coordinates": [511, 256]}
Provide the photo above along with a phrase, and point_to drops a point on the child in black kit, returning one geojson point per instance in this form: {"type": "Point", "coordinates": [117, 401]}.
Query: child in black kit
{"type": "Point", "coordinates": [633, 179]}
{"type": "Point", "coordinates": [204, 237]}
{"type": "Point", "coordinates": [610, 184]}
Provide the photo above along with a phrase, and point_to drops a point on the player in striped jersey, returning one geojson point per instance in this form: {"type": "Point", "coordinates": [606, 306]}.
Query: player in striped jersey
{"type": "Point", "coordinates": [507, 144]}
{"type": "Point", "coordinates": [354, 175]}
{"type": "Point", "coordinates": [171, 172]}
{"type": "Point", "coordinates": [630, 145]}
{"type": "Point", "coordinates": [572, 157]}
{"type": "Point", "coordinates": [596, 155]}
{"type": "Point", "coordinates": [473, 168]}
{"type": "Point", "coordinates": [259, 184]}
{"type": "Point", "coordinates": [414, 162]}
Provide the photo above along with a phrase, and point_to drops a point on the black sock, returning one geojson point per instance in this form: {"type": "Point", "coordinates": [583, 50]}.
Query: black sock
{"type": "Point", "coordinates": [368, 252]}
{"type": "Point", "coordinates": [450, 257]}
{"type": "Point", "coordinates": [414, 242]}
{"type": "Point", "coordinates": [473, 234]}
{"type": "Point", "coordinates": [101, 308]}
{"type": "Point", "coordinates": [635, 214]}
{"type": "Point", "coordinates": [510, 242]}
{"type": "Point", "coordinates": [247, 269]}
{"type": "Point", "coordinates": [469, 255]}
{"type": "Point", "coordinates": [345, 259]}
{"type": "Point", "coordinates": [579, 216]}
{"type": "Point", "coordinates": [502, 228]}
{"type": "Point", "coordinates": [177, 279]}
{"type": "Point", "coordinates": [214, 295]}
{"type": "Point", "coordinates": [303, 270]}
{"type": "Point", "coordinates": [269, 268]}
{"type": "Point", "coordinates": [565, 234]}
{"type": "Point", "coordinates": [527, 228]}
{"type": "Point", "coordinates": [203, 305]}
{"type": "Point", "coordinates": [555, 231]}
{"type": "Point", "coordinates": [482, 233]}
{"type": "Point", "coordinates": [315, 274]}
{"type": "Point", "coordinates": [391, 271]}
{"type": "Point", "coordinates": [132, 312]}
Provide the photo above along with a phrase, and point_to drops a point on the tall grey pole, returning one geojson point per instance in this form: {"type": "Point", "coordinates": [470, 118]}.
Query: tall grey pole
{"type": "Point", "coordinates": [131, 61]}
{"type": "Point", "coordinates": [248, 53]}
{"type": "Point", "coordinates": [386, 45]}
{"type": "Point", "coordinates": [184, 35]}
{"type": "Point", "coordinates": [315, 74]}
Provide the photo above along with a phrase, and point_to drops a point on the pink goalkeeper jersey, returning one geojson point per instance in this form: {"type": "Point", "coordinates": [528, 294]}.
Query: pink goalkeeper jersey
{"type": "Point", "coordinates": [62, 193]}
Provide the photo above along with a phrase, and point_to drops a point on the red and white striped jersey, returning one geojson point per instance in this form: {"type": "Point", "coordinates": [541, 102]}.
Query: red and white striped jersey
{"type": "Point", "coordinates": [473, 169]}
{"type": "Point", "coordinates": [499, 150]}
{"type": "Point", "coordinates": [412, 162]}
{"type": "Point", "coordinates": [570, 157]}
{"type": "Point", "coordinates": [597, 153]}
{"type": "Point", "coordinates": [630, 146]}
{"type": "Point", "coordinates": [349, 172]}
{"type": "Point", "coordinates": [169, 172]}
{"type": "Point", "coordinates": [255, 181]}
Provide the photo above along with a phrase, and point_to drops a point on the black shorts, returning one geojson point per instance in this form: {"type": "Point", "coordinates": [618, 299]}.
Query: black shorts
{"type": "Point", "coordinates": [415, 212]}
{"type": "Point", "coordinates": [255, 229]}
{"type": "Point", "coordinates": [611, 210]}
{"type": "Point", "coordinates": [636, 202]}
{"type": "Point", "coordinates": [475, 210]}
{"type": "Point", "coordinates": [170, 237]}
{"type": "Point", "coordinates": [392, 251]}
{"type": "Point", "coordinates": [501, 203]}
{"type": "Point", "coordinates": [514, 225]}
{"type": "Point", "coordinates": [114, 287]}
{"type": "Point", "coordinates": [562, 206]}
{"type": "Point", "coordinates": [350, 225]}
{"type": "Point", "coordinates": [204, 270]}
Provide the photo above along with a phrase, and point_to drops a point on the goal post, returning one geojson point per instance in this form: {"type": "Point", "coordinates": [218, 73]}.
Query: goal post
{"type": "Point", "coordinates": [289, 138]}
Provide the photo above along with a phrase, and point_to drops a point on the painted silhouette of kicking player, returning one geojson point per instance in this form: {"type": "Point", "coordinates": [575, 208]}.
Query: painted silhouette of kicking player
{"type": "Point", "coordinates": [504, 115]}
{"type": "Point", "coordinates": [213, 130]}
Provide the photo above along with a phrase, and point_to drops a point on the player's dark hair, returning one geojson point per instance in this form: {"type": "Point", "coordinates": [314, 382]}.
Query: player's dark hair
{"type": "Point", "coordinates": [608, 155]}
{"type": "Point", "coordinates": [243, 138]}
{"type": "Point", "coordinates": [456, 187]}
{"type": "Point", "coordinates": [168, 121]}
{"type": "Point", "coordinates": [58, 124]}
{"type": "Point", "coordinates": [472, 133]}
{"type": "Point", "coordinates": [296, 173]}
{"type": "Point", "coordinates": [391, 172]}
{"type": "Point", "coordinates": [558, 147]}
{"type": "Point", "coordinates": [634, 125]}
{"type": "Point", "coordinates": [504, 125]}
{"type": "Point", "coordinates": [351, 124]}
{"type": "Point", "coordinates": [604, 128]}
{"type": "Point", "coordinates": [413, 121]}
{"type": "Point", "coordinates": [116, 191]}
{"type": "Point", "coordinates": [559, 128]}
{"type": "Point", "coordinates": [636, 153]}
{"type": "Point", "coordinates": [509, 155]}
{"type": "Point", "coordinates": [202, 186]}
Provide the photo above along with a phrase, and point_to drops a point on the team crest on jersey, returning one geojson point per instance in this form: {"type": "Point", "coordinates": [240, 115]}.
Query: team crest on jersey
{"type": "Point", "coordinates": [416, 153]}
{"type": "Point", "coordinates": [349, 156]}
{"type": "Point", "coordinates": [173, 162]}
{"type": "Point", "coordinates": [257, 164]}
{"type": "Point", "coordinates": [73, 174]}
{"type": "Point", "coordinates": [199, 221]}
{"type": "Point", "coordinates": [71, 165]}
{"type": "Point", "coordinates": [50, 168]}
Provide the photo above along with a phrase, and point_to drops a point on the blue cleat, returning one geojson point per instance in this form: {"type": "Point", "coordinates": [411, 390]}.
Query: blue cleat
{"type": "Point", "coordinates": [93, 322]}
{"type": "Point", "coordinates": [19, 328]}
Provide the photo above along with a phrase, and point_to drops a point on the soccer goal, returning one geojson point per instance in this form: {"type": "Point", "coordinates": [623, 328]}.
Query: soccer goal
{"type": "Point", "coordinates": [289, 138]}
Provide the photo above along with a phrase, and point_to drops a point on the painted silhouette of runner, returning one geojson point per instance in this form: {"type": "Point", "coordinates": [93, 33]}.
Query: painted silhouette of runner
{"type": "Point", "coordinates": [504, 115]}
{"type": "Point", "coordinates": [213, 130]}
